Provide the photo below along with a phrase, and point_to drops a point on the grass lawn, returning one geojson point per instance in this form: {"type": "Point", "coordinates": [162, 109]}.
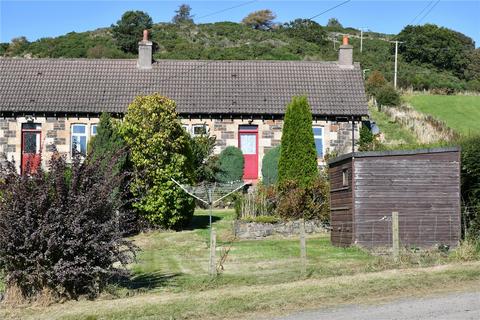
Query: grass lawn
{"type": "Point", "coordinates": [395, 134]}
{"type": "Point", "coordinates": [261, 276]}
{"type": "Point", "coordinates": [461, 113]}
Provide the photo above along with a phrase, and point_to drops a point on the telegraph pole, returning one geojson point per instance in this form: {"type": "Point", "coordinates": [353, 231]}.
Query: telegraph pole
{"type": "Point", "coordinates": [361, 39]}
{"type": "Point", "coordinates": [396, 63]}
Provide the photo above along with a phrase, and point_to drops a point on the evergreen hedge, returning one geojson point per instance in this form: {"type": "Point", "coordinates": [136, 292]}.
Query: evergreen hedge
{"type": "Point", "coordinates": [270, 166]}
{"type": "Point", "coordinates": [230, 165]}
{"type": "Point", "coordinates": [298, 157]}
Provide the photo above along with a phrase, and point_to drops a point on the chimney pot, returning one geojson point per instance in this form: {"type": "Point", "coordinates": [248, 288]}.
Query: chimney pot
{"type": "Point", "coordinates": [145, 52]}
{"type": "Point", "coordinates": [345, 54]}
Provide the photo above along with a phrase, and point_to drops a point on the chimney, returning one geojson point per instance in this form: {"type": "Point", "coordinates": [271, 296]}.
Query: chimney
{"type": "Point", "coordinates": [345, 54]}
{"type": "Point", "coordinates": [145, 52]}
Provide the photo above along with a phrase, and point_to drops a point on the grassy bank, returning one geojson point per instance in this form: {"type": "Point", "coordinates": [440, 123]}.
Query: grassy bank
{"type": "Point", "coordinates": [170, 279]}
{"type": "Point", "coordinates": [461, 113]}
{"type": "Point", "coordinates": [395, 134]}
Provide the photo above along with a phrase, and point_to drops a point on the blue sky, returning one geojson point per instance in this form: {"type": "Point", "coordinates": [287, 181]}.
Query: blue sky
{"type": "Point", "coordinates": [37, 19]}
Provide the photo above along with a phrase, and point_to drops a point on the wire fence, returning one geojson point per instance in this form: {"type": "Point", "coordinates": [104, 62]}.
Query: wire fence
{"type": "Point", "coordinates": [423, 229]}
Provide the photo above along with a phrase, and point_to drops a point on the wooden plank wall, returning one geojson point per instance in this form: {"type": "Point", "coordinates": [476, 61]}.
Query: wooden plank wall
{"type": "Point", "coordinates": [423, 188]}
{"type": "Point", "coordinates": [341, 204]}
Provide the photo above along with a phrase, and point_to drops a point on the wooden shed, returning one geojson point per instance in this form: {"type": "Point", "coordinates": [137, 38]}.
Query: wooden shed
{"type": "Point", "coordinates": [423, 186]}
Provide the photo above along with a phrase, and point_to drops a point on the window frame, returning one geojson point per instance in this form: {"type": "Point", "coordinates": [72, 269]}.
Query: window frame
{"type": "Point", "coordinates": [86, 135]}
{"type": "Point", "coordinates": [93, 125]}
{"type": "Point", "coordinates": [196, 125]}
{"type": "Point", "coordinates": [345, 178]}
{"type": "Point", "coordinates": [322, 137]}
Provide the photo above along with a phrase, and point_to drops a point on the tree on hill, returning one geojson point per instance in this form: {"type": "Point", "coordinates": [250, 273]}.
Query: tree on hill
{"type": "Point", "coordinates": [438, 46]}
{"type": "Point", "coordinates": [375, 81]}
{"type": "Point", "coordinates": [261, 19]}
{"type": "Point", "coordinates": [182, 14]}
{"type": "Point", "coordinates": [160, 150]}
{"type": "Point", "coordinates": [298, 157]}
{"type": "Point", "coordinates": [334, 23]}
{"type": "Point", "coordinates": [305, 29]}
{"type": "Point", "coordinates": [129, 30]}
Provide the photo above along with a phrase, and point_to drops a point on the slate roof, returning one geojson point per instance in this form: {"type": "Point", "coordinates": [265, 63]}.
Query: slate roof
{"type": "Point", "coordinates": [198, 87]}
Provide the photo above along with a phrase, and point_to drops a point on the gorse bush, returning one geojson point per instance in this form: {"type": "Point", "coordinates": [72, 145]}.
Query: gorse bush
{"type": "Point", "coordinates": [160, 150]}
{"type": "Point", "coordinates": [298, 157]}
{"type": "Point", "coordinates": [59, 229]}
{"type": "Point", "coordinates": [270, 166]}
{"type": "Point", "coordinates": [230, 165]}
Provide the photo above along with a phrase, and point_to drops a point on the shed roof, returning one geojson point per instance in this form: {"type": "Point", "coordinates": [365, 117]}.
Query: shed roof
{"type": "Point", "coordinates": [391, 153]}
{"type": "Point", "coordinates": [198, 87]}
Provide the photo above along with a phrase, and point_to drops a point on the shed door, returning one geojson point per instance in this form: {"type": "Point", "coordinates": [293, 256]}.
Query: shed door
{"type": "Point", "coordinates": [248, 143]}
{"type": "Point", "coordinates": [31, 157]}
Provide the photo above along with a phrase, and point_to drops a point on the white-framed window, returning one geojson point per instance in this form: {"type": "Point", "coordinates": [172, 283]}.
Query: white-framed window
{"type": "Point", "coordinates": [186, 127]}
{"type": "Point", "coordinates": [199, 129]}
{"type": "Point", "coordinates": [93, 130]}
{"type": "Point", "coordinates": [318, 135]}
{"type": "Point", "coordinates": [79, 138]}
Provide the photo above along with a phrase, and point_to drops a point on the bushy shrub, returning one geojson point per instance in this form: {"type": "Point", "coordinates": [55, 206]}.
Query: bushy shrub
{"type": "Point", "coordinates": [367, 139]}
{"type": "Point", "coordinates": [387, 96]}
{"type": "Point", "coordinates": [204, 162]}
{"type": "Point", "coordinates": [270, 166]}
{"type": "Point", "coordinates": [298, 157]}
{"type": "Point", "coordinates": [230, 165]}
{"type": "Point", "coordinates": [308, 202]}
{"type": "Point", "coordinates": [59, 229]}
{"type": "Point", "coordinates": [109, 151]}
{"type": "Point", "coordinates": [471, 185]}
{"type": "Point", "coordinates": [160, 150]}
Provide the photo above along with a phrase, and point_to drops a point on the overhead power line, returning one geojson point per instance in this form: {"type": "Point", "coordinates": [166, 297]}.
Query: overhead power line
{"type": "Point", "coordinates": [226, 9]}
{"type": "Point", "coordinates": [329, 9]}
{"type": "Point", "coordinates": [422, 11]}
{"type": "Point", "coordinates": [426, 14]}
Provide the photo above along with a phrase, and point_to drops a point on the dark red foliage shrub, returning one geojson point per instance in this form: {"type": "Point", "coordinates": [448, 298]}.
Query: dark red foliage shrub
{"type": "Point", "coordinates": [59, 228]}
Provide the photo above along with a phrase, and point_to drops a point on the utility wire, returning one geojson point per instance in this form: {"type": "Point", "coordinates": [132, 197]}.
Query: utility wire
{"type": "Point", "coordinates": [420, 13]}
{"type": "Point", "coordinates": [329, 9]}
{"type": "Point", "coordinates": [226, 9]}
{"type": "Point", "coordinates": [426, 14]}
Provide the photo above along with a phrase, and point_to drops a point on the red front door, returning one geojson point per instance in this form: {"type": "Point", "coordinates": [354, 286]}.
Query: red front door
{"type": "Point", "coordinates": [31, 157]}
{"type": "Point", "coordinates": [248, 143]}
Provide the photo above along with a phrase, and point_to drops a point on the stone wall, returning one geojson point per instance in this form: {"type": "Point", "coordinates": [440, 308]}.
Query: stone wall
{"type": "Point", "coordinates": [56, 131]}
{"type": "Point", "coordinates": [258, 230]}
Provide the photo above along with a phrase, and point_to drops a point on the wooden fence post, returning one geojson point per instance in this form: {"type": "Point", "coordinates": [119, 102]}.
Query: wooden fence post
{"type": "Point", "coordinates": [212, 269]}
{"type": "Point", "coordinates": [303, 247]}
{"type": "Point", "coordinates": [395, 236]}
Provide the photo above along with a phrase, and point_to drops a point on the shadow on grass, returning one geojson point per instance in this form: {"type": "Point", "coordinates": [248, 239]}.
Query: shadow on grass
{"type": "Point", "coordinates": [145, 281]}
{"type": "Point", "coordinates": [201, 222]}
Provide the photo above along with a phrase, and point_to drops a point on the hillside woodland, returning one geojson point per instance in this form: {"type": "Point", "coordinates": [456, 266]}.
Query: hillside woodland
{"type": "Point", "coordinates": [431, 57]}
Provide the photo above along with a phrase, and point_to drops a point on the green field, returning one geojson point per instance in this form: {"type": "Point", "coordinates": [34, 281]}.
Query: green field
{"type": "Point", "coordinates": [170, 279]}
{"type": "Point", "coordinates": [461, 113]}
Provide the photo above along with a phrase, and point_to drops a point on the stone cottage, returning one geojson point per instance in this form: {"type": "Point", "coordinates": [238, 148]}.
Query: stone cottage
{"type": "Point", "coordinates": [57, 102]}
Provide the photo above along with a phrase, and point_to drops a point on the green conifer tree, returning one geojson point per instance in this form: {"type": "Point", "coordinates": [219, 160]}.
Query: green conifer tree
{"type": "Point", "coordinates": [298, 157]}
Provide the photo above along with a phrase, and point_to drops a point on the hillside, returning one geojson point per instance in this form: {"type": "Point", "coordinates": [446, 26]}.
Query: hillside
{"type": "Point", "coordinates": [228, 40]}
